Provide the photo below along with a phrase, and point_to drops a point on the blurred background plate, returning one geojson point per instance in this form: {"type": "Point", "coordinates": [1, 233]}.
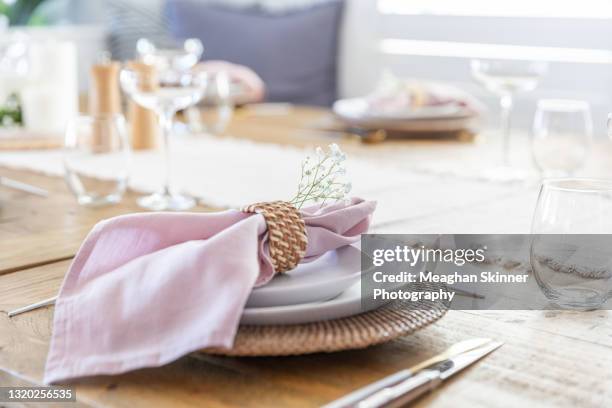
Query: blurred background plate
{"type": "Point", "coordinates": [443, 118]}
{"type": "Point", "coordinates": [359, 109]}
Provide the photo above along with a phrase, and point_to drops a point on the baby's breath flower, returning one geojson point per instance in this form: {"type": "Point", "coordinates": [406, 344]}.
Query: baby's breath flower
{"type": "Point", "coordinates": [321, 179]}
{"type": "Point", "coordinates": [334, 149]}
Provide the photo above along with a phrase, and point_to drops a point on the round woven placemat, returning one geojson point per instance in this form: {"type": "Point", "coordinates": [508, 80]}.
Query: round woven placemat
{"type": "Point", "coordinates": [366, 329]}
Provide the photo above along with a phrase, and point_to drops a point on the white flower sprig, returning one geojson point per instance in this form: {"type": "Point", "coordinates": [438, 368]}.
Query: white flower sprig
{"type": "Point", "coordinates": [322, 178]}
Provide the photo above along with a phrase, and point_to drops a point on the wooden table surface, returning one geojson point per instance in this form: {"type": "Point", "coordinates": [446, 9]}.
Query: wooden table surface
{"type": "Point", "coordinates": [549, 359]}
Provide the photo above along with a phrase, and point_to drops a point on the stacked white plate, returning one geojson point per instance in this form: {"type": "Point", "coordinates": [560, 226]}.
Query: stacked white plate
{"type": "Point", "coordinates": [327, 288]}
{"type": "Point", "coordinates": [440, 118]}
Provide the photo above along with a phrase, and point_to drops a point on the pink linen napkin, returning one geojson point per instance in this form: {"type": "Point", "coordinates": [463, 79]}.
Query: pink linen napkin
{"type": "Point", "coordinates": [146, 289]}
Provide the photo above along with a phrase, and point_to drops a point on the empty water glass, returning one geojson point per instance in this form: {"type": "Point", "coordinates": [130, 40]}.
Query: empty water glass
{"type": "Point", "coordinates": [215, 109]}
{"type": "Point", "coordinates": [97, 159]}
{"type": "Point", "coordinates": [562, 135]}
{"type": "Point", "coordinates": [570, 251]}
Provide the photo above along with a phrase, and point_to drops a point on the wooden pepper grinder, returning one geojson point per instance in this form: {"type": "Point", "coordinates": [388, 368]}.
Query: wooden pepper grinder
{"type": "Point", "coordinates": [105, 96]}
{"type": "Point", "coordinates": [104, 101]}
{"type": "Point", "coordinates": [144, 126]}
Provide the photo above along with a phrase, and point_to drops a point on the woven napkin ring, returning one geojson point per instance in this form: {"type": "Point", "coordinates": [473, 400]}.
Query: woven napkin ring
{"type": "Point", "coordinates": [286, 232]}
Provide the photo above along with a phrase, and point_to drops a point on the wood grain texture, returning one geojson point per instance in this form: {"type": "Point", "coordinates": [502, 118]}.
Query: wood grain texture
{"type": "Point", "coordinates": [550, 358]}
{"type": "Point", "coordinates": [37, 230]}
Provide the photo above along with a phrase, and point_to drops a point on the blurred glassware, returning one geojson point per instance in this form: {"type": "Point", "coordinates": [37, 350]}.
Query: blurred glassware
{"type": "Point", "coordinates": [215, 109]}
{"type": "Point", "coordinates": [180, 58]}
{"type": "Point", "coordinates": [177, 90]}
{"type": "Point", "coordinates": [506, 78]}
{"type": "Point", "coordinates": [93, 143]}
{"type": "Point", "coordinates": [14, 64]}
{"type": "Point", "coordinates": [4, 23]}
{"type": "Point", "coordinates": [570, 249]}
{"type": "Point", "coordinates": [609, 125]}
{"type": "Point", "coordinates": [562, 136]}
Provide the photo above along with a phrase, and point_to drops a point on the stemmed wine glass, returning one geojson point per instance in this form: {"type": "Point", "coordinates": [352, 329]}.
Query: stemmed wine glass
{"type": "Point", "coordinates": [179, 58]}
{"type": "Point", "coordinates": [506, 78]}
{"type": "Point", "coordinates": [176, 90]}
{"type": "Point", "coordinates": [176, 86]}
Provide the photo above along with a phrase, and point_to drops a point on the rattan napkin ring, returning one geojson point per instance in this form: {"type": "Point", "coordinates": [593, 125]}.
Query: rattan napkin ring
{"type": "Point", "coordinates": [286, 233]}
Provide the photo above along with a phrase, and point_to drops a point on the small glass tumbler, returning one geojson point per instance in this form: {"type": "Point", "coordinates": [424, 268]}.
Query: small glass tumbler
{"type": "Point", "coordinates": [571, 248]}
{"type": "Point", "coordinates": [562, 136]}
{"type": "Point", "coordinates": [97, 159]}
{"type": "Point", "coordinates": [215, 109]}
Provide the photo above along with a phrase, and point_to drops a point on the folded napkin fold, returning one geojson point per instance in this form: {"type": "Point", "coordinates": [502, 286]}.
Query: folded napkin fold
{"type": "Point", "coordinates": [146, 289]}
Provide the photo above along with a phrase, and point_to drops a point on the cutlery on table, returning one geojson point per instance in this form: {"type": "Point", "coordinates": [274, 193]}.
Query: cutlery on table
{"type": "Point", "coordinates": [27, 188]}
{"type": "Point", "coordinates": [406, 385]}
{"type": "Point", "coordinates": [33, 306]}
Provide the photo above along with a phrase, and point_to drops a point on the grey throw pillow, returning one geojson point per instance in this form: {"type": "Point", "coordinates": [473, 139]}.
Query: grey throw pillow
{"type": "Point", "coordinates": [293, 51]}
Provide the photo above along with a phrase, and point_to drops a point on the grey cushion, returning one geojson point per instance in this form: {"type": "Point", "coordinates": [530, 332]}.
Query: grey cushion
{"type": "Point", "coordinates": [294, 52]}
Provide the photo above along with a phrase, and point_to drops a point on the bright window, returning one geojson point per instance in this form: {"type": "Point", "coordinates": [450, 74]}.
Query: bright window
{"type": "Point", "coordinates": [515, 8]}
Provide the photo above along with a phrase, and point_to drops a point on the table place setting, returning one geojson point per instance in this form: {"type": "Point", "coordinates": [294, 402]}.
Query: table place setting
{"type": "Point", "coordinates": [272, 279]}
{"type": "Point", "coordinates": [273, 272]}
{"type": "Point", "coordinates": [179, 230]}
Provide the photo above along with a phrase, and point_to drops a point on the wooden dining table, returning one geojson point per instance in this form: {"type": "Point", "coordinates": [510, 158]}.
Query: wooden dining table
{"type": "Point", "coordinates": [549, 358]}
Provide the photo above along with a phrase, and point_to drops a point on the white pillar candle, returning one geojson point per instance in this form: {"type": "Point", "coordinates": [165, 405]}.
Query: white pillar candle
{"type": "Point", "coordinates": [51, 98]}
{"type": "Point", "coordinates": [42, 111]}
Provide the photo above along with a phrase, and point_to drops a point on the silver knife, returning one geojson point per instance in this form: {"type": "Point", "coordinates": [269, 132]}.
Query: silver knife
{"type": "Point", "coordinates": [426, 380]}
{"type": "Point", "coordinates": [354, 397]}
{"type": "Point", "coordinates": [27, 188]}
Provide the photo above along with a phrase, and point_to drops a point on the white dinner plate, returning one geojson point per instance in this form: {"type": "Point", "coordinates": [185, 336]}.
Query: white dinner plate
{"type": "Point", "coordinates": [315, 281]}
{"type": "Point", "coordinates": [443, 118]}
{"type": "Point", "coordinates": [347, 304]}
{"type": "Point", "coordinates": [358, 109]}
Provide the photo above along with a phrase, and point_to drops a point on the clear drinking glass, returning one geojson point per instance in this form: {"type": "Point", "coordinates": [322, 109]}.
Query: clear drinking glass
{"type": "Point", "coordinates": [506, 78]}
{"type": "Point", "coordinates": [96, 144]}
{"type": "Point", "coordinates": [562, 136]}
{"type": "Point", "coordinates": [571, 255]}
{"type": "Point", "coordinates": [176, 90]}
{"type": "Point", "coordinates": [215, 109]}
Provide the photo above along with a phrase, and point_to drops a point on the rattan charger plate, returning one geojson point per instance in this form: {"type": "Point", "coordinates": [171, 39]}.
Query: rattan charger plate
{"type": "Point", "coordinates": [389, 322]}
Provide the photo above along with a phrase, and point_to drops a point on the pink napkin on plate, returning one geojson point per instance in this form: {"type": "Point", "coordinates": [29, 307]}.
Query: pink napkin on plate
{"type": "Point", "coordinates": [146, 289]}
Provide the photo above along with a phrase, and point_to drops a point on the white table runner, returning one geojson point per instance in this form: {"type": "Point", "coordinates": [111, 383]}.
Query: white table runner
{"type": "Point", "coordinates": [232, 172]}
